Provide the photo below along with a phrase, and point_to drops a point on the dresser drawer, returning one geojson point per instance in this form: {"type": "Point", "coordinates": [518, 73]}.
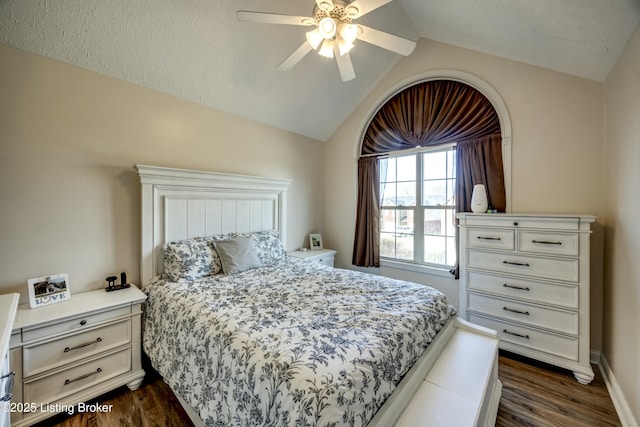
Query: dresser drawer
{"type": "Point", "coordinates": [325, 259]}
{"type": "Point", "coordinates": [548, 243]}
{"type": "Point", "coordinates": [533, 315]}
{"type": "Point", "coordinates": [550, 268]}
{"type": "Point", "coordinates": [68, 349]}
{"type": "Point", "coordinates": [72, 325]}
{"type": "Point", "coordinates": [64, 383]}
{"type": "Point", "coordinates": [521, 336]}
{"type": "Point", "coordinates": [499, 220]}
{"type": "Point", "coordinates": [490, 238]}
{"type": "Point", "coordinates": [524, 289]}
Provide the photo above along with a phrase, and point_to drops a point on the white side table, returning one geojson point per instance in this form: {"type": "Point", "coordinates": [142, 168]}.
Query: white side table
{"type": "Point", "coordinates": [323, 256]}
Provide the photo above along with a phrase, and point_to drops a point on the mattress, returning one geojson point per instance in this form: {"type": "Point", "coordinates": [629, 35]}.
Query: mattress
{"type": "Point", "coordinates": [292, 343]}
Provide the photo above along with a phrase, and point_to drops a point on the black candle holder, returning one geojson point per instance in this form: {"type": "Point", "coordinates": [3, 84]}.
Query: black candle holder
{"type": "Point", "coordinates": [111, 283]}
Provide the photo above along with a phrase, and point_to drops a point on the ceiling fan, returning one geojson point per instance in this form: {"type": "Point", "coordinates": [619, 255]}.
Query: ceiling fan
{"type": "Point", "coordinates": [335, 32]}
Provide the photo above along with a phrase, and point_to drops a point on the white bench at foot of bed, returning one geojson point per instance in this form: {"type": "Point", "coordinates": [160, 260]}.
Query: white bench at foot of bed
{"type": "Point", "coordinates": [461, 388]}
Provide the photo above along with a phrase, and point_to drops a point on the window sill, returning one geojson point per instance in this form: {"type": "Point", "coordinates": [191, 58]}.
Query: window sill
{"type": "Point", "coordinates": [418, 268]}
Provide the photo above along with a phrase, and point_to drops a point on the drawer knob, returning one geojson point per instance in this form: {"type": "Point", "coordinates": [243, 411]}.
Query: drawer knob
{"type": "Point", "coordinates": [68, 349]}
{"type": "Point", "coordinates": [83, 322]}
{"type": "Point", "coordinates": [515, 223]}
{"type": "Point", "coordinates": [81, 377]}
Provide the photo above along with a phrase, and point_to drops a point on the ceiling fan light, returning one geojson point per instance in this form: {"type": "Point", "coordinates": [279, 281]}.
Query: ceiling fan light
{"type": "Point", "coordinates": [327, 28]}
{"type": "Point", "coordinates": [348, 32]}
{"type": "Point", "coordinates": [314, 38]}
{"type": "Point", "coordinates": [344, 46]}
{"type": "Point", "coordinates": [326, 49]}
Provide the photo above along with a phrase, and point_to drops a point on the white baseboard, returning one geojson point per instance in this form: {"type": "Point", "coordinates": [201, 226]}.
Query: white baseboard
{"type": "Point", "coordinates": [619, 402]}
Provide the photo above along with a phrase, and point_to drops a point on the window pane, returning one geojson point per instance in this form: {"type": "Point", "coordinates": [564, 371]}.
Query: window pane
{"type": "Point", "coordinates": [404, 224]}
{"type": "Point", "coordinates": [387, 170]}
{"type": "Point", "coordinates": [404, 246]}
{"type": "Point", "coordinates": [388, 220]}
{"type": "Point", "coordinates": [388, 245]}
{"type": "Point", "coordinates": [435, 221]}
{"type": "Point", "coordinates": [435, 165]}
{"type": "Point", "coordinates": [406, 168]}
{"type": "Point", "coordinates": [451, 222]}
{"type": "Point", "coordinates": [451, 164]}
{"type": "Point", "coordinates": [435, 249]}
{"type": "Point", "coordinates": [434, 192]}
{"type": "Point", "coordinates": [388, 191]}
{"type": "Point", "coordinates": [450, 199]}
{"type": "Point", "coordinates": [406, 194]}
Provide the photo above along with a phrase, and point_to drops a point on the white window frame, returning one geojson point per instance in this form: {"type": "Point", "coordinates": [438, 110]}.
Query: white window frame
{"type": "Point", "coordinates": [418, 220]}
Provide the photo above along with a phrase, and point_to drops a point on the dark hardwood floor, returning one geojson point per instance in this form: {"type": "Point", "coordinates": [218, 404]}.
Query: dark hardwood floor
{"type": "Point", "coordinates": [533, 394]}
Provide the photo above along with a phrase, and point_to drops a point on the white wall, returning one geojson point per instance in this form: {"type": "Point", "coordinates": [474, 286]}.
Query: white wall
{"type": "Point", "coordinates": [69, 139]}
{"type": "Point", "coordinates": [557, 130]}
{"type": "Point", "coordinates": [621, 343]}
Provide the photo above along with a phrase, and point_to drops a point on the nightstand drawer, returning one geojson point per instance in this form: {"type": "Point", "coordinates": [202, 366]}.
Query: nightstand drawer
{"type": "Point", "coordinates": [68, 349]}
{"type": "Point", "coordinates": [549, 268]}
{"type": "Point", "coordinates": [524, 289]}
{"type": "Point", "coordinates": [536, 316]}
{"type": "Point", "coordinates": [548, 243]}
{"type": "Point", "coordinates": [64, 383]}
{"type": "Point", "coordinates": [76, 324]}
{"type": "Point", "coordinates": [490, 238]}
{"type": "Point", "coordinates": [512, 336]}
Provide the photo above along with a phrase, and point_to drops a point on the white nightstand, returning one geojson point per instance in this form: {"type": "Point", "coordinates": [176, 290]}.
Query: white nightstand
{"type": "Point", "coordinates": [323, 256]}
{"type": "Point", "coordinates": [66, 353]}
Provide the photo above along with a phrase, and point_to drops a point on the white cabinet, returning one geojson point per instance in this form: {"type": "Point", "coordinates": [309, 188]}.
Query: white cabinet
{"type": "Point", "coordinates": [8, 304]}
{"type": "Point", "coordinates": [527, 277]}
{"type": "Point", "coordinates": [66, 353]}
{"type": "Point", "coordinates": [323, 256]}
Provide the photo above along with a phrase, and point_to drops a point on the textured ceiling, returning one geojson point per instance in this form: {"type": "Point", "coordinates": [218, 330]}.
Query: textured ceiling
{"type": "Point", "coordinates": [198, 51]}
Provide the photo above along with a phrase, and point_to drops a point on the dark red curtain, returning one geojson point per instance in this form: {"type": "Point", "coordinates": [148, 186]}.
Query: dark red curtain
{"type": "Point", "coordinates": [427, 114]}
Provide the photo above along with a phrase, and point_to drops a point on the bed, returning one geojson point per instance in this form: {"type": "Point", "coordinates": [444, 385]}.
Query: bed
{"type": "Point", "coordinates": [246, 335]}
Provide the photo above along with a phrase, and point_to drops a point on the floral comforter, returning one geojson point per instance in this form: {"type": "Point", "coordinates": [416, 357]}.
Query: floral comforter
{"type": "Point", "coordinates": [295, 343]}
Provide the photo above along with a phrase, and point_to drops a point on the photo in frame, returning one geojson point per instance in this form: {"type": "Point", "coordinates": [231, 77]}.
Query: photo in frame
{"type": "Point", "coordinates": [315, 241]}
{"type": "Point", "coordinates": [48, 290]}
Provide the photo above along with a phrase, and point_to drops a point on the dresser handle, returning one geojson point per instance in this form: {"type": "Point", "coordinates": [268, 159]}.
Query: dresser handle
{"type": "Point", "coordinates": [526, 313]}
{"type": "Point", "coordinates": [546, 242]}
{"type": "Point", "coordinates": [68, 349]}
{"type": "Point", "coordinates": [8, 389]}
{"type": "Point", "coordinates": [504, 331]}
{"type": "Point", "coordinates": [488, 238]}
{"type": "Point", "coordinates": [520, 288]}
{"type": "Point", "coordinates": [83, 322]}
{"type": "Point", "coordinates": [81, 377]}
{"type": "Point", "coordinates": [523, 264]}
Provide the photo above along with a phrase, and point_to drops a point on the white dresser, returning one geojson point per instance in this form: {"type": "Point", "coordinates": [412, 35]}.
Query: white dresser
{"type": "Point", "coordinates": [8, 305]}
{"type": "Point", "coordinates": [527, 277]}
{"type": "Point", "coordinates": [323, 256]}
{"type": "Point", "coordinates": [67, 353]}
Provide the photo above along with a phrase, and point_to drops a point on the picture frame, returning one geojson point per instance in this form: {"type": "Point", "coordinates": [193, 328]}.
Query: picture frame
{"type": "Point", "coordinates": [315, 242]}
{"type": "Point", "coordinates": [49, 289]}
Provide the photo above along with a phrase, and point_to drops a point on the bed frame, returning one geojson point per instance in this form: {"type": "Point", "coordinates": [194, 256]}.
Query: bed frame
{"type": "Point", "coordinates": [454, 383]}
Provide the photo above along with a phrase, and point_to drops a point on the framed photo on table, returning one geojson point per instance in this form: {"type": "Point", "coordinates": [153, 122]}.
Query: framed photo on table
{"type": "Point", "coordinates": [315, 241]}
{"type": "Point", "coordinates": [48, 290]}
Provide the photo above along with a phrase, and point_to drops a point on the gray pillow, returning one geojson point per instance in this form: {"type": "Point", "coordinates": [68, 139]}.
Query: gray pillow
{"type": "Point", "coordinates": [237, 255]}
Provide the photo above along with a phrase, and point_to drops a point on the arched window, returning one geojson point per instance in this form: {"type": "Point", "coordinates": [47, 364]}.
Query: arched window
{"type": "Point", "coordinates": [421, 154]}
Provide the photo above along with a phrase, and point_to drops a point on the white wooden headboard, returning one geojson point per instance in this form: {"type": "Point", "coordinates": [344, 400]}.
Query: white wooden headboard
{"type": "Point", "coordinates": [179, 204]}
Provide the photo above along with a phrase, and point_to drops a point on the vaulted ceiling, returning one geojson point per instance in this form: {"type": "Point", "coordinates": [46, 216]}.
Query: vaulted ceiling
{"type": "Point", "coordinates": [199, 51]}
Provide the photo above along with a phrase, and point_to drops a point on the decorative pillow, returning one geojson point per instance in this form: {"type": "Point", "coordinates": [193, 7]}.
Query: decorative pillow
{"type": "Point", "coordinates": [237, 255]}
{"type": "Point", "coordinates": [190, 259]}
{"type": "Point", "coordinates": [268, 245]}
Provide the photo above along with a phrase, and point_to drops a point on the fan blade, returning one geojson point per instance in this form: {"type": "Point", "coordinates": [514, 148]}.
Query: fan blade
{"type": "Point", "coordinates": [295, 57]}
{"type": "Point", "coordinates": [273, 18]}
{"type": "Point", "coordinates": [326, 5]}
{"type": "Point", "coordinates": [345, 66]}
{"type": "Point", "coordinates": [386, 41]}
{"type": "Point", "coordinates": [366, 6]}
